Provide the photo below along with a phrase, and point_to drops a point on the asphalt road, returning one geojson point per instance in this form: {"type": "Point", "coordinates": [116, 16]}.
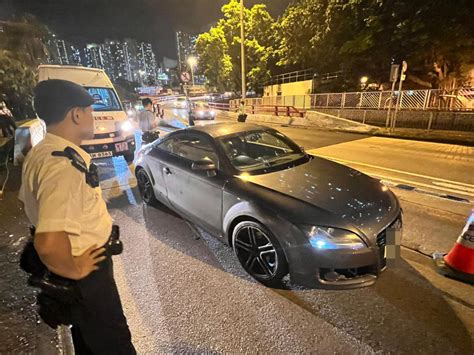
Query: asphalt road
{"type": "Point", "coordinates": [184, 291]}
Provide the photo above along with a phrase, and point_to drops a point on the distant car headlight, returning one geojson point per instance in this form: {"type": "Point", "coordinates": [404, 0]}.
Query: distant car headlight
{"type": "Point", "coordinates": [213, 113]}
{"type": "Point", "coordinates": [200, 113]}
{"type": "Point", "coordinates": [324, 238]}
{"type": "Point", "coordinates": [130, 113]}
{"type": "Point", "coordinates": [127, 126]}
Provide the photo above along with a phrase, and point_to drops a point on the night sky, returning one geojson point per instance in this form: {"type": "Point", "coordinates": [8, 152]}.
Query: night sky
{"type": "Point", "coordinates": [152, 21]}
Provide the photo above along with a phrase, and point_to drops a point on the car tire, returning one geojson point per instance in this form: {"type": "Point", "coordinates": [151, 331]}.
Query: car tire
{"type": "Point", "coordinates": [129, 157]}
{"type": "Point", "coordinates": [259, 253]}
{"type": "Point", "coordinates": [146, 188]}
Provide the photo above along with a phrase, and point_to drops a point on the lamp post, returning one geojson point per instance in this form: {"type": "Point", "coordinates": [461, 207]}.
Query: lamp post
{"type": "Point", "coordinates": [242, 49]}
{"type": "Point", "coordinates": [192, 61]}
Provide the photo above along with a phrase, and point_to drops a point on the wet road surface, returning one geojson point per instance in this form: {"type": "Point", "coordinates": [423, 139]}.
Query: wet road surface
{"type": "Point", "coordinates": [186, 294]}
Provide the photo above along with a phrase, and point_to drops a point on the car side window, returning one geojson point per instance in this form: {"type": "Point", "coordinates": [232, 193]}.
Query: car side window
{"type": "Point", "coordinates": [190, 147]}
{"type": "Point", "coordinates": [167, 145]}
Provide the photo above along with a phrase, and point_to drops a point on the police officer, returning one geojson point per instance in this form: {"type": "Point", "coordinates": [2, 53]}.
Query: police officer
{"type": "Point", "coordinates": [72, 222]}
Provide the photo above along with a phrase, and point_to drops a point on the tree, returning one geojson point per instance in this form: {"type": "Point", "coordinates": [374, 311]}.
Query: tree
{"type": "Point", "coordinates": [126, 89]}
{"type": "Point", "coordinates": [214, 58]}
{"type": "Point", "coordinates": [219, 49]}
{"type": "Point", "coordinates": [21, 51]}
{"type": "Point", "coordinates": [363, 37]}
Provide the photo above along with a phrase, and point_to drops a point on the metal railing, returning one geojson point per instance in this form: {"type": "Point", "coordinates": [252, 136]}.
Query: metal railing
{"type": "Point", "coordinates": [220, 106]}
{"type": "Point", "coordinates": [454, 100]}
{"type": "Point", "coordinates": [276, 110]}
{"type": "Point", "coordinates": [302, 75]}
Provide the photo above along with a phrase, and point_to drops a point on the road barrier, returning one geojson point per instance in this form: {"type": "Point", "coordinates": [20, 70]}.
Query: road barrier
{"type": "Point", "coordinates": [441, 100]}
{"type": "Point", "coordinates": [276, 110]}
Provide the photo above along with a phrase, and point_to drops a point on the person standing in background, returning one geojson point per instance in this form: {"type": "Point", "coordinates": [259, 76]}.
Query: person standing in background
{"type": "Point", "coordinates": [146, 118]}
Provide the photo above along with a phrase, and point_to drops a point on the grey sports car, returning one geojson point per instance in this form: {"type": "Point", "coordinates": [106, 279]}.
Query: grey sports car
{"type": "Point", "coordinates": [280, 209]}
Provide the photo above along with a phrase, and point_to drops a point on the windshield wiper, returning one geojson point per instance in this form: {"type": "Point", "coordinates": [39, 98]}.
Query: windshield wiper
{"type": "Point", "coordinates": [282, 159]}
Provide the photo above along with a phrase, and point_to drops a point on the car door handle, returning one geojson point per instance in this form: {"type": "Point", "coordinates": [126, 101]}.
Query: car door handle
{"type": "Point", "coordinates": [167, 171]}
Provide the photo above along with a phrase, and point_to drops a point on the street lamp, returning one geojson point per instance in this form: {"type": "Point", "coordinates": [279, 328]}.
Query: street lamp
{"type": "Point", "coordinates": [242, 49]}
{"type": "Point", "coordinates": [192, 61]}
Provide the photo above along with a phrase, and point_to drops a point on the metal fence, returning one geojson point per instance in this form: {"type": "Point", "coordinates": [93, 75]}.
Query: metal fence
{"type": "Point", "coordinates": [454, 100]}
{"type": "Point", "coordinates": [302, 75]}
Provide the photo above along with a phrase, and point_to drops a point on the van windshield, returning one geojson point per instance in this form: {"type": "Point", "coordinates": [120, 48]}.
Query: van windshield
{"type": "Point", "coordinates": [105, 99]}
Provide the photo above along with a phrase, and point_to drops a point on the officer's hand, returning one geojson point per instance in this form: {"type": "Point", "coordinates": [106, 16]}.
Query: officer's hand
{"type": "Point", "coordinates": [87, 262]}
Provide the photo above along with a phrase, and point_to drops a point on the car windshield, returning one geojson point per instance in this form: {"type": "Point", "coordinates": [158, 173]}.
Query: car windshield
{"type": "Point", "coordinates": [105, 99]}
{"type": "Point", "coordinates": [256, 150]}
{"type": "Point", "coordinates": [181, 99]}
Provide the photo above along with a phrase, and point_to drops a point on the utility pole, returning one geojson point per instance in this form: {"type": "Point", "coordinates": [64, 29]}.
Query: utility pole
{"type": "Point", "coordinates": [242, 49]}
{"type": "Point", "coordinates": [192, 74]}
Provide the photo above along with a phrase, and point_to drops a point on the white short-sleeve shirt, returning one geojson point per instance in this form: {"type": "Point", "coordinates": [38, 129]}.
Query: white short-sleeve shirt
{"type": "Point", "coordinates": [58, 199]}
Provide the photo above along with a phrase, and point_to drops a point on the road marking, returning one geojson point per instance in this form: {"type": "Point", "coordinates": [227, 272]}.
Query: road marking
{"type": "Point", "coordinates": [315, 151]}
{"type": "Point", "coordinates": [455, 186]}
{"type": "Point", "coordinates": [444, 189]}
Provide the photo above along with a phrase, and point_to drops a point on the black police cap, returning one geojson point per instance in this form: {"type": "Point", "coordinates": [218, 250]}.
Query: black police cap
{"type": "Point", "coordinates": [54, 98]}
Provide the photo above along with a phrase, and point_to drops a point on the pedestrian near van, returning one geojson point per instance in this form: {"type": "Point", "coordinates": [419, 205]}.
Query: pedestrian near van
{"type": "Point", "coordinates": [146, 117]}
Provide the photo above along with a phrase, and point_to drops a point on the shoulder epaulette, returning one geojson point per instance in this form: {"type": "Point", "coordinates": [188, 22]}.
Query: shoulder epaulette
{"type": "Point", "coordinates": [92, 177]}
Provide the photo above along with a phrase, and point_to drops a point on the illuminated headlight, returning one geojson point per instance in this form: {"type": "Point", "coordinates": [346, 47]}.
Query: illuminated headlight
{"type": "Point", "coordinates": [200, 113]}
{"type": "Point", "coordinates": [127, 126]}
{"type": "Point", "coordinates": [130, 112]}
{"type": "Point", "coordinates": [332, 239]}
{"type": "Point", "coordinates": [213, 113]}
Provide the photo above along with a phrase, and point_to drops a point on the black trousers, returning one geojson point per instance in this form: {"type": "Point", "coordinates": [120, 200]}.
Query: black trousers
{"type": "Point", "coordinates": [100, 326]}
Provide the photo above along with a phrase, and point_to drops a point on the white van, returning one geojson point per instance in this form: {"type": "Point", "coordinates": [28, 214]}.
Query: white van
{"type": "Point", "coordinates": [113, 132]}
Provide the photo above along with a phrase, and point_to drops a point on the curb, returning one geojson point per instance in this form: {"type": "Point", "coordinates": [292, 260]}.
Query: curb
{"type": "Point", "coordinates": [469, 143]}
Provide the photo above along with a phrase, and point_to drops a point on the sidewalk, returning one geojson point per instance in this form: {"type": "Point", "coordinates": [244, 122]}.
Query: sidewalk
{"type": "Point", "coordinates": [450, 137]}
{"type": "Point", "coordinates": [322, 121]}
{"type": "Point", "coordinates": [21, 331]}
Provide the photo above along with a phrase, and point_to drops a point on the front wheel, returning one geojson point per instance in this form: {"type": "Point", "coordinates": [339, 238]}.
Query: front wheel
{"type": "Point", "coordinates": [259, 253]}
{"type": "Point", "coordinates": [146, 188]}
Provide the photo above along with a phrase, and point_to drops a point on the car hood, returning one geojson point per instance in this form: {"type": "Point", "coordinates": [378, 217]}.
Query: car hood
{"type": "Point", "coordinates": [346, 193]}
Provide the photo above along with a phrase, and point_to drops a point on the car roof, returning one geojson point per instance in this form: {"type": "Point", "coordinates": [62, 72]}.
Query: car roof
{"type": "Point", "coordinates": [217, 130]}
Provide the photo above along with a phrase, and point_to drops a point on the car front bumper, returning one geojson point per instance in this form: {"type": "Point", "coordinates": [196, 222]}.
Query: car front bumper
{"type": "Point", "coordinates": [126, 146]}
{"type": "Point", "coordinates": [338, 269]}
{"type": "Point", "coordinates": [343, 268]}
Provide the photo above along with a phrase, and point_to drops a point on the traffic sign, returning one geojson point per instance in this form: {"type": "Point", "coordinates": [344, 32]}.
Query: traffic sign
{"type": "Point", "coordinates": [185, 77]}
{"type": "Point", "coordinates": [404, 66]}
{"type": "Point", "coordinates": [394, 72]}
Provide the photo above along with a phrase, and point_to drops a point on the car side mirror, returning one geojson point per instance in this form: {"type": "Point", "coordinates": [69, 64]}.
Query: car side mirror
{"type": "Point", "coordinates": [205, 165]}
